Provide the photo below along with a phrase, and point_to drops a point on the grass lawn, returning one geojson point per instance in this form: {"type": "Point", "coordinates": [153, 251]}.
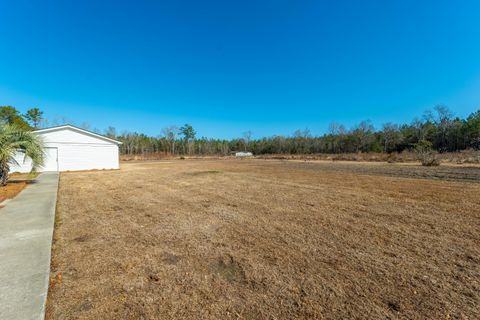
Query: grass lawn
{"type": "Point", "coordinates": [263, 239]}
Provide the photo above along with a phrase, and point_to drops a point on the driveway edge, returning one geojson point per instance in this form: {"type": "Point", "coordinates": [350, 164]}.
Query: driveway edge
{"type": "Point", "coordinates": [26, 233]}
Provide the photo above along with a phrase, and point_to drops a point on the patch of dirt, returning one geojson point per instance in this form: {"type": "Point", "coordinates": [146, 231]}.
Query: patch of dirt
{"type": "Point", "coordinates": [199, 173]}
{"type": "Point", "coordinates": [267, 240]}
{"type": "Point", "coordinates": [81, 238]}
{"type": "Point", "coordinates": [16, 183]}
{"type": "Point", "coordinates": [11, 190]}
{"type": "Point", "coordinates": [445, 172]}
{"type": "Point", "coordinates": [229, 269]}
{"type": "Point", "coordinates": [171, 258]}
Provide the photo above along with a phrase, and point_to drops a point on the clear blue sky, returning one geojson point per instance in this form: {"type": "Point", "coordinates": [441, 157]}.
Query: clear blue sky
{"type": "Point", "coordinates": [231, 66]}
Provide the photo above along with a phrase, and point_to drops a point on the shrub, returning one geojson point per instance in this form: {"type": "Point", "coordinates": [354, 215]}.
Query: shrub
{"type": "Point", "coordinates": [426, 154]}
{"type": "Point", "coordinates": [430, 161]}
{"type": "Point", "coordinates": [391, 158]}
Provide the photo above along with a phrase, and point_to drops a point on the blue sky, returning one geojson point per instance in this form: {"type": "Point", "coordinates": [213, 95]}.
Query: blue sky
{"type": "Point", "coordinates": [230, 66]}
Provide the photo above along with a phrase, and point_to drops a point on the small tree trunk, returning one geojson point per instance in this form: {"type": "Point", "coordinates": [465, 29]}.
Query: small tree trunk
{"type": "Point", "coordinates": [4, 169]}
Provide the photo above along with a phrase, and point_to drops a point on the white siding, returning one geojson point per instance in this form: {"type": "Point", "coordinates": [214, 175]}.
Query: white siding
{"type": "Point", "coordinates": [71, 136]}
{"type": "Point", "coordinates": [87, 157]}
{"type": "Point", "coordinates": [76, 149]}
{"type": "Point", "coordinates": [21, 164]}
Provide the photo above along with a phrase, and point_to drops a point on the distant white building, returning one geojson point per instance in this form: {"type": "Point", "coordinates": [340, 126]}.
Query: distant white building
{"type": "Point", "coordinates": [68, 148]}
{"type": "Point", "coordinates": [243, 154]}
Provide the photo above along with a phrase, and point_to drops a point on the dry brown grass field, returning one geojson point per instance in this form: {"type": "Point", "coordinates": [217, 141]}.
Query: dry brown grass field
{"type": "Point", "coordinates": [267, 239]}
{"type": "Point", "coordinates": [461, 157]}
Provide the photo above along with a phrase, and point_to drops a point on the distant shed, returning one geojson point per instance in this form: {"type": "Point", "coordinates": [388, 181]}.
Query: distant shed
{"type": "Point", "coordinates": [68, 148]}
{"type": "Point", "coordinates": [243, 154]}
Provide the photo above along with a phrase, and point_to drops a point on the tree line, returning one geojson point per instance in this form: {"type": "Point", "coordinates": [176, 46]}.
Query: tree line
{"type": "Point", "coordinates": [438, 127]}
{"type": "Point", "coordinates": [28, 121]}
{"type": "Point", "coordinates": [443, 131]}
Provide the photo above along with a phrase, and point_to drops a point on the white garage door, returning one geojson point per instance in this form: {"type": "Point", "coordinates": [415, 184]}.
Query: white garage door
{"type": "Point", "coordinates": [51, 160]}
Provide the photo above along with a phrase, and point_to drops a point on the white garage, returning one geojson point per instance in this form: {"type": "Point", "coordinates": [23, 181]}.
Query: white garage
{"type": "Point", "coordinates": [68, 148]}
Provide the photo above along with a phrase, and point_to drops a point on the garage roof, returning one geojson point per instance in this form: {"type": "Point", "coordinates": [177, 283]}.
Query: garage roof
{"type": "Point", "coordinates": [69, 126]}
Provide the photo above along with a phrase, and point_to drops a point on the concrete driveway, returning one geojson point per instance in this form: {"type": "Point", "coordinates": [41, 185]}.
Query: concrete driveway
{"type": "Point", "coordinates": [26, 229]}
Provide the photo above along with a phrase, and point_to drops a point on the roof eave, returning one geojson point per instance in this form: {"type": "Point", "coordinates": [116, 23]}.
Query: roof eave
{"type": "Point", "coordinates": [79, 129]}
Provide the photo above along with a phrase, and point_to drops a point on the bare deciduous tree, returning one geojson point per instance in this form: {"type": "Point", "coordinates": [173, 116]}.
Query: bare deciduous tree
{"type": "Point", "coordinates": [170, 134]}
{"type": "Point", "coordinates": [247, 136]}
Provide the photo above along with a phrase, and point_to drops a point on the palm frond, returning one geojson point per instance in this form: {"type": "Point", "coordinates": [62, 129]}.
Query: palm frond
{"type": "Point", "coordinates": [13, 139]}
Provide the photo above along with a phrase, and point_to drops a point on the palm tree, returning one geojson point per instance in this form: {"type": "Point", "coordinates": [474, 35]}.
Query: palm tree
{"type": "Point", "coordinates": [14, 139]}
